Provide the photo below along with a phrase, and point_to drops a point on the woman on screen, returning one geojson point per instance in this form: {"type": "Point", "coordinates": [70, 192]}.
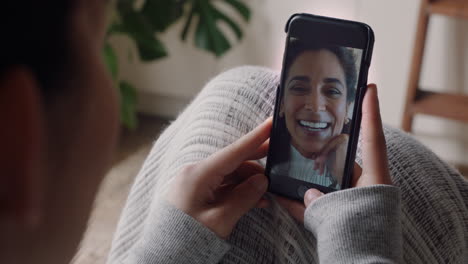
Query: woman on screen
{"type": "Point", "coordinates": [318, 95]}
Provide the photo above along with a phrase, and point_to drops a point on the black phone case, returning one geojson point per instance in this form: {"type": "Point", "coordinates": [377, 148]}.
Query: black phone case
{"type": "Point", "coordinates": [294, 188]}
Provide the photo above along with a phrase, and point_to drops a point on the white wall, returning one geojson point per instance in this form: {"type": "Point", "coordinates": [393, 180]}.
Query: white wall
{"type": "Point", "coordinates": [168, 84]}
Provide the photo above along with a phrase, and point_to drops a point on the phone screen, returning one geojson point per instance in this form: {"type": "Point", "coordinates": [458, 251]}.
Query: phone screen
{"type": "Point", "coordinates": [316, 102]}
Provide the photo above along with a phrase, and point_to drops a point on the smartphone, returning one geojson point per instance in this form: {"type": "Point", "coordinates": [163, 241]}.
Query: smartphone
{"type": "Point", "coordinates": [317, 112]}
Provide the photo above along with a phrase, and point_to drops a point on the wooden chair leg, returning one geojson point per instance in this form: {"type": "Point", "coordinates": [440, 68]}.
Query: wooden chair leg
{"type": "Point", "coordinates": [416, 65]}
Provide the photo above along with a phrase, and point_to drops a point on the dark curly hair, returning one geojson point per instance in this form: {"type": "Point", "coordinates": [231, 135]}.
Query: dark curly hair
{"type": "Point", "coordinates": [344, 55]}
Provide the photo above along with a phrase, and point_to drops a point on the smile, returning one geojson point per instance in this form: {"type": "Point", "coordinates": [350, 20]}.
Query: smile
{"type": "Point", "coordinates": [314, 126]}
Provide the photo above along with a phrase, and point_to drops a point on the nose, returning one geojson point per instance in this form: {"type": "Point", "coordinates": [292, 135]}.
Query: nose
{"type": "Point", "coordinates": [315, 102]}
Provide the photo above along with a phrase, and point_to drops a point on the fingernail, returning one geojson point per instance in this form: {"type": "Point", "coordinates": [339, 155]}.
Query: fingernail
{"type": "Point", "coordinates": [259, 182]}
{"type": "Point", "coordinates": [311, 195]}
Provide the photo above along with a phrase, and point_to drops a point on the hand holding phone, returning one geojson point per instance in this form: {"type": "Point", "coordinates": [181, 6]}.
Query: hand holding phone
{"type": "Point", "coordinates": [374, 157]}
{"type": "Point", "coordinates": [318, 106]}
{"type": "Point", "coordinates": [219, 190]}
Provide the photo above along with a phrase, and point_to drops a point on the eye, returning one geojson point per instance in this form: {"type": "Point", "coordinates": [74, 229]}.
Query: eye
{"type": "Point", "coordinates": [299, 89]}
{"type": "Point", "coordinates": [333, 92]}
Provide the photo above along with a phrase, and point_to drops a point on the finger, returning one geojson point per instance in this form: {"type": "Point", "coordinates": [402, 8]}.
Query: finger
{"type": "Point", "coordinates": [375, 163]}
{"type": "Point", "coordinates": [333, 144]}
{"type": "Point", "coordinates": [330, 147]}
{"type": "Point", "coordinates": [244, 171]}
{"type": "Point", "coordinates": [319, 164]}
{"type": "Point", "coordinates": [228, 159]}
{"type": "Point", "coordinates": [245, 196]}
{"type": "Point", "coordinates": [316, 164]}
{"type": "Point", "coordinates": [261, 152]}
{"type": "Point", "coordinates": [311, 195]}
{"type": "Point", "coordinates": [294, 208]}
{"type": "Point", "coordinates": [357, 172]}
{"type": "Point", "coordinates": [263, 203]}
{"type": "Point", "coordinates": [322, 167]}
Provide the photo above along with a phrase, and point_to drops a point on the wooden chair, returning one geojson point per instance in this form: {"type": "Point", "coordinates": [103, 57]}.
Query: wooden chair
{"type": "Point", "coordinates": [418, 101]}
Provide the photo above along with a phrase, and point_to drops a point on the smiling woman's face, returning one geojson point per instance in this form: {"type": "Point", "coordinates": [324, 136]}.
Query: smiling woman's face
{"type": "Point", "coordinates": [314, 103]}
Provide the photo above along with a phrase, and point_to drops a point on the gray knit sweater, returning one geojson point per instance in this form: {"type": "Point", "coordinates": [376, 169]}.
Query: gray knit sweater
{"type": "Point", "coordinates": [353, 226]}
{"type": "Point", "coordinates": [357, 225]}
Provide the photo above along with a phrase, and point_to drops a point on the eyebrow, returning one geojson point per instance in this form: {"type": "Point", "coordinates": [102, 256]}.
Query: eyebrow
{"type": "Point", "coordinates": [307, 79]}
{"type": "Point", "coordinates": [333, 80]}
{"type": "Point", "coordinates": [299, 78]}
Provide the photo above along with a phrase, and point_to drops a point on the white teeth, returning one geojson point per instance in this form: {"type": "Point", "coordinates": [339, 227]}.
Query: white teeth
{"type": "Point", "coordinates": [313, 125]}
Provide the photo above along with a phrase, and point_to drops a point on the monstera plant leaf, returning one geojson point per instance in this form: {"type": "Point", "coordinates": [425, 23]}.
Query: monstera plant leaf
{"type": "Point", "coordinates": [128, 97]}
{"type": "Point", "coordinates": [110, 59]}
{"type": "Point", "coordinates": [128, 100]}
{"type": "Point", "coordinates": [162, 13]}
{"type": "Point", "coordinates": [208, 35]}
{"type": "Point", "coordinates": [139, 28]}
{"type": "Point", "coordinates": [143, 23]}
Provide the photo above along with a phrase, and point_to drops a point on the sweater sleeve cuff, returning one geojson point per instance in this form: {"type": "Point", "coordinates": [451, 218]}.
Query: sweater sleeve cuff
{"type": "Point", "coordinates": [362, 224]}
{"type": "Point", "coordinates": [172, 236]}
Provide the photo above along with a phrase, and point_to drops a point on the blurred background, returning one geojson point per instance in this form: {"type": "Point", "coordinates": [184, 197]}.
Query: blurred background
{"type": "Point", "coordinates": [161, 86]}
{"type": "Point", "coordinates": [166, 85]}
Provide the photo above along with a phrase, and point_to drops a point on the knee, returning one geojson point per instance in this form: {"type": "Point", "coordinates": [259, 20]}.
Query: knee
{"type": "Point", "coordinates": [410, 160]}
{"type": "Point", "coordinates": [249, 85]}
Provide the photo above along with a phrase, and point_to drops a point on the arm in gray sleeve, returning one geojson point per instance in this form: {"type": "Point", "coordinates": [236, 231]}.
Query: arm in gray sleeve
{"type": "Point", "coordinates": [358, 225]}
{"type": "Point", "coordinates": [171, 236]}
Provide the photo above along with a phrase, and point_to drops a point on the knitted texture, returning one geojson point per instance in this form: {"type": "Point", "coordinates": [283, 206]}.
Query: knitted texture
{"type": "Point", "coordinates": [191, 243]}
{"type": "Point", "coordinates": [357, 225]}
{"type": "Point", "coordinates": [434, 196]}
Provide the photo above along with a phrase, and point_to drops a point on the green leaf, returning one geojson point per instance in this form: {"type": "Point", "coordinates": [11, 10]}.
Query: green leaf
{"type": "Point", "coordinates": [128, 92]}
{"type": "Point", "coordinates": [115, 28]}
{"type": "Point", "coordinates": [150, 48]}
{"type": "Point", "coordinates": [135, 25]}
{"type": "Point", "coordinates": [183, 36]}
{"type": "Point", "coordinates": [128, 100]}
{"type": "Point", "coordinates": [240, 7]}
{"type": "Point", "coordinates": [110, 59]}
{"type": "Point", "coordinates": [207, 34]}
{"type": "Point", "coordinates": [162, 13]}
{"type": "Point", "coordinates": [235, 28]}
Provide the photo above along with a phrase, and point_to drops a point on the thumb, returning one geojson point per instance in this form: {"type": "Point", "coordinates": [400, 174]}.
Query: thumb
{"type": "Point", "coordinates": [310, 196]}
{"type": "Point", "coordinates": [374, 159]}
{"type": "Point", "coordinates": [245, 196]}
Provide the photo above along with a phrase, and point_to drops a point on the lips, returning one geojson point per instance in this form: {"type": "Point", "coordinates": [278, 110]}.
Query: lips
{"type": "Point", "coordinates": [309, 134]}
{"type": "Point", "coordinates": [314, 125]}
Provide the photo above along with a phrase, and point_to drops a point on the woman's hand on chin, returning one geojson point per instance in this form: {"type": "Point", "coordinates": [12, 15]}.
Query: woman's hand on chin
{"type": "Point", "coordinates": [333, 156]}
